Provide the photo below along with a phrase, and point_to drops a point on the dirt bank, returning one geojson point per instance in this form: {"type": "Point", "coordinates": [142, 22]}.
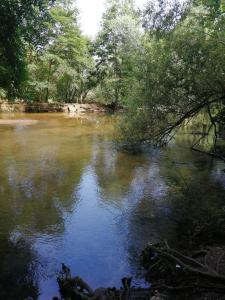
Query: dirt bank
{"type": "Point", "coordinates": [6, 107]}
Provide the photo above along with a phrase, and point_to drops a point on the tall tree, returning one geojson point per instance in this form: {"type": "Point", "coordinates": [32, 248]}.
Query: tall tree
{"type": "Point", "coordinates": [63, 70]}
{"type": "Point", "coordinates": [21, 22]}
{"type": "Point", "coordinates": [116, 43]}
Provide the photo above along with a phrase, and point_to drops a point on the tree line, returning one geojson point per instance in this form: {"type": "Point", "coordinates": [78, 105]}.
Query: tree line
{"type": "Point", "coordinates": [45, 57]}
{"type": "Point", "coordinates": [165, 63]}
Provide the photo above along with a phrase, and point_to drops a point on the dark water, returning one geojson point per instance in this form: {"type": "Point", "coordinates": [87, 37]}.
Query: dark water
{"type": "Point", "coordinates": [66, 195]}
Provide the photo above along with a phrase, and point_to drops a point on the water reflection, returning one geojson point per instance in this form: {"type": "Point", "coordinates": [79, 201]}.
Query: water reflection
{"type": "Point", "coordinates": [67, 192]}
{"type": "Point", "coordinates": [18, 276]}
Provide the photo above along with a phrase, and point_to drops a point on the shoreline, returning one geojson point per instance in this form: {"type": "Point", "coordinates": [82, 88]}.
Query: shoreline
{"type": "Point", "coordinates": [9, 107]}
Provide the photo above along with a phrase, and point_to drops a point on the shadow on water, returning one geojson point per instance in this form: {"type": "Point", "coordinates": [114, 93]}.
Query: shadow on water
{"type": "Point", "coordinates": [65, 190]}
{"type": "Point", "coordinates": [18, 277]}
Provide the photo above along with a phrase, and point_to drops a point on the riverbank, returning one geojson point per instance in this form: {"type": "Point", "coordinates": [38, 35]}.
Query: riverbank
{"type": "Point", "coordinates": [172, 274]}
{"type": "Point", "coordinates": [7, 107]}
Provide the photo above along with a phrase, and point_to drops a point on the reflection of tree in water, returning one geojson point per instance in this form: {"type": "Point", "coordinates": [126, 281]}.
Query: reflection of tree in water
{"type": "Point", "coordinates": [115, 171]}
{"type": "Point", "coordinates": [41, 171]}
{"type": "Point", "coordinates": [36, 190]}
{"type": "Point", "coordinates": [134, 184]}
{"type": "Point", "coordinates": [18, 278]}
{"type": "Point", "coordinates": [148, 216]}
{"type": "Point", "coordinates": [176, 198]}
{"type": "Point", "coordinates": [38, 177]}
{"type": "Point", "coordinates": [196, 196]}
{"type": "Point", "coordinates": [198, 212]}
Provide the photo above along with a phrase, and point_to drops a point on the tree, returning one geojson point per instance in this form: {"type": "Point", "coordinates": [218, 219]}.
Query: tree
{"type": "Point", "coordinates": [116, 45]}
{"type": "Point", "coordinates": [21, 22]}
{"type": "Point", "coordinates": [183, 75]}
{"type": "Point", "coordinates": [63, 70]}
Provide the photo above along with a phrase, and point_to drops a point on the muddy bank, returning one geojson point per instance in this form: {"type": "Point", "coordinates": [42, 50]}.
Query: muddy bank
{"type": "Point", "coordinates": [6, 107]}
{"type": "Point", "coordinates": [22, 122]}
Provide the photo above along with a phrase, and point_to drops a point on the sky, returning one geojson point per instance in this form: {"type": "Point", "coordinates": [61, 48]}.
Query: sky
{"type": "Point", "coordinates": [91, 12]}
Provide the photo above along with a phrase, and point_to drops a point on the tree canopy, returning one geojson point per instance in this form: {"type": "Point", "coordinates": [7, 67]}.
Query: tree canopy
{"type": "Point", "coordinates": [21, 22]}
{"type": "Point", "coordinates": [61, 71]}
{"type": "Point", "coordinates": [182, 72]}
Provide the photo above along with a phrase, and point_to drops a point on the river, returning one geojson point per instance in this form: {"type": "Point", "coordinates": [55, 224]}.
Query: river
{"type": "Point", "coordinates": [67, 195]}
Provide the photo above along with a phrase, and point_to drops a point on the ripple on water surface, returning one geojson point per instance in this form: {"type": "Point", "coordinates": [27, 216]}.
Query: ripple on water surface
{"type": "Point", "coordinates": [66, 195]}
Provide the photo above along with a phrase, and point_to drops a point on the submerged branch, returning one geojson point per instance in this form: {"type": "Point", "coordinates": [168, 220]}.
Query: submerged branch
{"type": "Point", "coordinates": [213, 154]}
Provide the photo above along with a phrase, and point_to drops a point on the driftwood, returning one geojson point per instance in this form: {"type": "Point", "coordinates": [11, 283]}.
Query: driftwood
{"type": "Point", "coordinates": [75, 288]}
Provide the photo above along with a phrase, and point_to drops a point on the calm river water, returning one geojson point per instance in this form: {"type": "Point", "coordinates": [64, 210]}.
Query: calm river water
{"type": "Point", "coordinates": [67, 195]}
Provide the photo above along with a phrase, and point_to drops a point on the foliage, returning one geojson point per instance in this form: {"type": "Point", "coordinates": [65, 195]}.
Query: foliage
{"type": "Point", "coordinates": [117, 48]}
{"type": "Point", "coordinates": [2, 94]}
{"type": "Point", "coordinates": [62, 72]}
{"type": "Point", "coordinates": [21, 22]}
{"type": "Point", "coordinates": [163, 15]}
{"type": "Point", "coordinates": [182, 71]}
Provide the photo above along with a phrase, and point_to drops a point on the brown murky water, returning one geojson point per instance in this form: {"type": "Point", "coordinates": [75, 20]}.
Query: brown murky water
{"type": "Point", "coordinates": [67, 195]}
